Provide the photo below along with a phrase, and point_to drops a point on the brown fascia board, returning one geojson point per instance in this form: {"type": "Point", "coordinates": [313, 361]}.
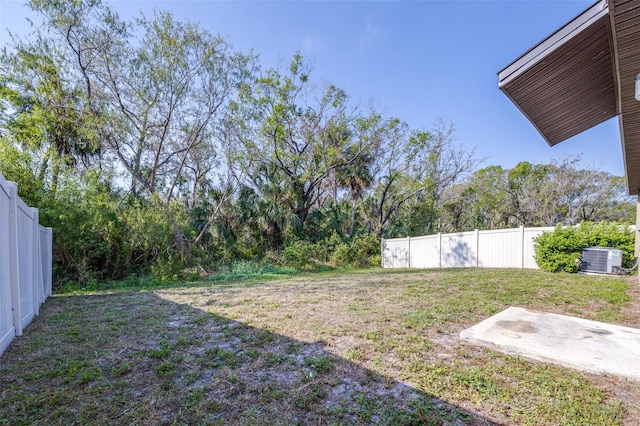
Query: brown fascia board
{"type": "Point", "coordinates": [553, 42]}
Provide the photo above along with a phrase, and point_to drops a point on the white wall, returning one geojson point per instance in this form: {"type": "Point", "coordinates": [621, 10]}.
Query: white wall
{"type": "Point", "coordinates": [25, 263]}
{"type": "Point", "coordinates": [500, 248]}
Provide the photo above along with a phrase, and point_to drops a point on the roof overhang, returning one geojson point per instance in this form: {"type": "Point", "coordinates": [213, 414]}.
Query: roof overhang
{"type": "Point", "coordinates": [582, 75]}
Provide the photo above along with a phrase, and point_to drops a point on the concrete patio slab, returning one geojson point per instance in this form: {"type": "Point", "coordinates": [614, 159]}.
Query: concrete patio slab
{"type": "Point", "coordinates": [572, 342]}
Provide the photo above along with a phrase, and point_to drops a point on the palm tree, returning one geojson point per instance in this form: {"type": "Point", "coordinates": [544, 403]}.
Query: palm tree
{"type": "Point", "coordinates": [356, 177]}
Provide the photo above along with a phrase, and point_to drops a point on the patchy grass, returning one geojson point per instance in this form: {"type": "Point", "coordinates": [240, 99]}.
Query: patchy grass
{"type": "Point", "coordinates": [373, 347]}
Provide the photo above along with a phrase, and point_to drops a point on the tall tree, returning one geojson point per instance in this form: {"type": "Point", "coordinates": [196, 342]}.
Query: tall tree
{"type": "Point", "coordinates": [492, 206]}
{"type": "Point", "coordinates": [155, 97]}
{"type": "Point", "coordinates": [42, 108]}
{"type": "Point", "coordinates": [294, 139]}
{"type": "Point", "coordinates": [412, 170]}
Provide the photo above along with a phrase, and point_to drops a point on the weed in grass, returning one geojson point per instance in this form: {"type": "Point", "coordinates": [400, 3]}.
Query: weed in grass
{"type": "Point", "coordinates": [354, 354]}
{"type": "Point", "coordinates": [200, 320]}
{"type": "Point", "coordinates": [366, 408]}
{"type": "Point", "coordinates": [422, 411]}
{"type": "Point", "coordinates": [218, 356]}
{"type": "Point", "coordinates": [293, 348]}
{"type": "Point", "coordinates": [275, 358]}
{"type": "Point", "coordinates": [419, 320]}
{"type": "Point", "coordinates": [183, 342]}
{"type": "Point", "coordinates": [307, 395]}
{"type": "Point", "coordinates": [195, 397]}
{"type": "Point", "coordinates": [74, 331]}
{"type": "Point", "coordinates": [262, 338]}
{"type": "Point", "coordinates": [373, 335]}
{"type": "Point", "coordinates": [252, 353]}
{"type": "Point", "coordinates": [320, 364]}
{"type": "Point", "coordinates": [252, 416]}
{"type": "Point", "coordinates": [163, 352]}
{"type": "Point", "coordinates": [191, 377]}
{"type": "Point", "coordinates": [165, 368]}
{"type": "Point", "coordinates": [75, 365]}
{"type": "Point", "coordinates": [211, 353]}
{"type": "Point", "coordinates": [414, 347]}
{"type": "Point", "coordinates": [388, 344]}
{"type": "Point", "coordinates": [89, 375]}
{"type": "Point", "coordinates": [379, 365]}
{"type": "Point", "coordinates": [39, 374]}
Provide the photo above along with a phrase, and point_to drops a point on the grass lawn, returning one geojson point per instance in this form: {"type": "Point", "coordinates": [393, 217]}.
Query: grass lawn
{"type": "Point", "coordinates": [368, 347]}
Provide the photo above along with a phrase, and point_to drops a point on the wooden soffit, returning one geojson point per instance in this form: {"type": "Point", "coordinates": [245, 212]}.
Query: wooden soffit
{"type": "Point", "coordinates": [582, 75]}
{"type": "Point", "coordinates": [565, 84]}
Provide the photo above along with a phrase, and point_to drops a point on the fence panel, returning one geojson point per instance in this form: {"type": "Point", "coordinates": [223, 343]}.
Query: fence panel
{"type": "Point", "coordinates": [7, 330]}
{"type": "Point", "coordinates": [425, 252]}
{"type": "Point", "coordinates": [25, 263]}
{"type": "Point", "coordinates": [395, 253]}
{"type": "Point", "coordinates": [459, 250]}
{"type": "Point", "coordinates": [28, 291]}
{"type": "Point", "coordinates": [528, 251]}
{"type": "Point", "coordinates": [500, 248]}
{"type": "Point", "coordinates": [46, 259]}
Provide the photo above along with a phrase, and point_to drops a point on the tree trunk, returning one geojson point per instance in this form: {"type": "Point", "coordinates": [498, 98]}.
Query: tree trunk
{"type": "Point", "coordinates": [354, 206]}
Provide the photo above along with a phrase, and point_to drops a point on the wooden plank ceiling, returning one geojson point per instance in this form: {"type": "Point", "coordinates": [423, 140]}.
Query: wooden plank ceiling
{"type": "Point", "coordinates": [625, 16]}
{"type": "Point", "coordinates": [582, 75]}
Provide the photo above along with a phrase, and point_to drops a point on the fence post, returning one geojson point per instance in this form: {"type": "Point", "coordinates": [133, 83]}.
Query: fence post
{"type": "Point", "coordinates": [521, 246]}
{"type": "Point", "coordinates": [409, 250]}
{"type": "Point", "coordinates": [36, 265]}
{"type": "Point", "coordinates": [14, 268]}
{"type": "Point", "coordinates": [49, 260]}
{"type": "Point", "coordinates": [477, 248]}
{"type": "Point", "coordinates": [440, 250]}
{"type": "Point", "coordinates": [382, 252]}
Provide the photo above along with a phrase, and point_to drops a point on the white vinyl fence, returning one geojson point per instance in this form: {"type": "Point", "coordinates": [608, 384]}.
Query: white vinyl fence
{"type": "Point", "coordinates": [25, 263]}
{"type": "Point", "coordinates": [500, 248]}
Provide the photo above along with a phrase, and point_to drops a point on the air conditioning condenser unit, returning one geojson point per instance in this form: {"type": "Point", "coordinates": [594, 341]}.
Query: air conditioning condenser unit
{"type": "Point", "coordinates": [603, 260]}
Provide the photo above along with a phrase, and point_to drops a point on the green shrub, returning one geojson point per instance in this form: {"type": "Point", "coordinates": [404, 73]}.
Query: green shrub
{"type": "Point", "coordinates": [299, 254]}
{"type": "Point", "coordinates": [362, 251]}
{"type": "Point", "coordinates": [167, 268]}
{"type": "Point", "coordinates": [341, 255]}
{"type": "Point", "coordinates": [558, 250]}
{"type": "Point", "coordinates": [326, 248]}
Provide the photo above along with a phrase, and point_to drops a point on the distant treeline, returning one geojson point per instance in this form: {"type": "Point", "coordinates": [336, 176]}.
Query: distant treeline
{"type": "Point", "coordinates": [154, 147]}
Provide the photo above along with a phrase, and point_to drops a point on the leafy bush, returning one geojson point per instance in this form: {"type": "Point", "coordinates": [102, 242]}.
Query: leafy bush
{"type": "Point", "coordinates": [299, 254]}
{"type": "Point", "coordinates": [327, 246]}
{"type": "Point", "coordinates": [341, 256]}
{"type": "Point", "coordinates": [362, 251]}
{"type": "Point", "coordinates": [558, 250]}
{"type": "Point", "coordinates": [167, 268]}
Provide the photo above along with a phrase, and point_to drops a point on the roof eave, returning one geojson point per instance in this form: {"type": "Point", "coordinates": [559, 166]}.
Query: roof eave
{"type": "Point", "coordinates": [553, 42]}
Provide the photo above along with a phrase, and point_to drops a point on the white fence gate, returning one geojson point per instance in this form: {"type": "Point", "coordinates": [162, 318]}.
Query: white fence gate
{"type": "Point", "coordinates": [500, 248]}
{"type": "Point", "coordinates": [25, 263]}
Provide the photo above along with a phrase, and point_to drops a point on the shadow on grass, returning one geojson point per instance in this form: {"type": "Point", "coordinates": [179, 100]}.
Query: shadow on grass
{"type": "Point", "coordinates": [135, 358]}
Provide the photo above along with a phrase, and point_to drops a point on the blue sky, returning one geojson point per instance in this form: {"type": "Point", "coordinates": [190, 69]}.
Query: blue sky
{"type": "Point", "coordinates": [417, 60]}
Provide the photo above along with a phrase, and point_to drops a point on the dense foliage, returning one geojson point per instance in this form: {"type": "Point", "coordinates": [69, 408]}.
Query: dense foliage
{"type": "Point", "coordinates": [154, 147]}
{"type": "Point", "coordinates": [560, 250]}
